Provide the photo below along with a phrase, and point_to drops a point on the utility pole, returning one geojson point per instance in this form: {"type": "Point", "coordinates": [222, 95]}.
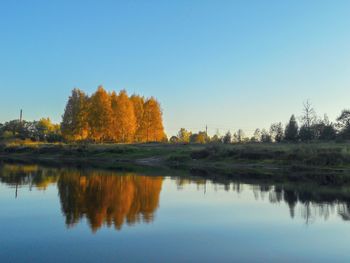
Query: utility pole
{"type": "Point", "coordinates": [20, 116]}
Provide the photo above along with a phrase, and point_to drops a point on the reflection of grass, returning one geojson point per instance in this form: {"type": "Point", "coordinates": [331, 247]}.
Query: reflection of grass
{"type": "Point", "coordinates": [326, 162]}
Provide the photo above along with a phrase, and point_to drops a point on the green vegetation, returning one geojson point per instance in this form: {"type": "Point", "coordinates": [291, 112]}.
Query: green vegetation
{"type": "Point", "coordinates": [326, 163]}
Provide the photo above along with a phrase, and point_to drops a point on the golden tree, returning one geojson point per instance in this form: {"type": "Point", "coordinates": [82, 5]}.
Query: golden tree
{"type": "Point", "coordinates": [108, 198]}
{"type": "Point", "coordinates": [100, 115]}
{"type": "Point", "coordinates": [112, 116]}
{"type": "Point", "coordinates": [123, 117]}
{"type": "Point", "coordinates": [151, 127]}
{"type": "Point", "coordinates": [74, 124]}
{"type": "Point", "coordinates": [138, 102]}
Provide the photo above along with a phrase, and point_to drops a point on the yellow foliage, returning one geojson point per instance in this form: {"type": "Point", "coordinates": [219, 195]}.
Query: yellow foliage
{"type": "Point", "coordinates": [111, 117]}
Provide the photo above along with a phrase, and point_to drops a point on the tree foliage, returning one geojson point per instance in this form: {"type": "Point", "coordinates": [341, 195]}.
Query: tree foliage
{"type": "Point", "coordinates": [74, 123]}
{"type": "Point", "coordinates": [112, 117]}
{"type": "Point", "coordinates": [184, 135]}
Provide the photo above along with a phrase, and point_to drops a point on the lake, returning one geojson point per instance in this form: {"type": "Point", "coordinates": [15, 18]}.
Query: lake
{"type": "Point", "coordinates": [85, 215]}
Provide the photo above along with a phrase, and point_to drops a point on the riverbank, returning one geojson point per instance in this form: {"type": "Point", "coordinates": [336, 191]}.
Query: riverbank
{"type": "Point", "coordinates": [324, 163]}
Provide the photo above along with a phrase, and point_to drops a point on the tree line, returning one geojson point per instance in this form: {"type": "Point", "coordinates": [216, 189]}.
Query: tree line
{"type": "Point", "coordinates": [101, 117]}
{"type": "Point", "coordinates": [112, 117]}
{"type": "Point", "coordinates": [42, 130]}
{"type": "Point", "coordinates": [310, 127]}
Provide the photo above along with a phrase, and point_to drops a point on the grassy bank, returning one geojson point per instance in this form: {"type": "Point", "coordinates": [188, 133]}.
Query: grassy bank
{"type": "Point", "coordinates": [325, 163]}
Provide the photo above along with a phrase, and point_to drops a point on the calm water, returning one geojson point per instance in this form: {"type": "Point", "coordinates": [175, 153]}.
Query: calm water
{"type": "Point", "coordinates": [70, 215]}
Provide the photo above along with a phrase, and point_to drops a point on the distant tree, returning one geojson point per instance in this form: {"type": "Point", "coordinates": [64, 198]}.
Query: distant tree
{"type": "Point", "coordinates": [174, 139]}
{"type": "Point", "coordinates": [276, 132]}
{"type": "Point", "coordinates": [328, 133]}
{"type": "Point", "coordinates": [44, 127]}
{"type": "Point", "coordinates": [12, 126]}
{"type": "Point", "coordinates": [291, 131]}
{"type": "Point", "coordinates": [100, 115]}
{"type": "Point", "coordinates": [307, 130]}
{"type": "Point", "coordinates": [257, 136]}
{"type": "Point", "coordinates": [184, 135]}
{"type": "Point", "coordinates": [216, 139]}
{"type": "Point", "coordinates": [240, 136]}
{"type": "Point", "coordinates": [306, 133]}
{"type": "Point", "coordinates": [325, 130]}
{"type": "Point", "coordinates": [344, 124]}
{"type": "Point", "coordinates": [265, 136]}
{"type": "Point", "coordinates": [74, 123]}
{"type": "Point", "coordinates": [309, 115]}
{"type": "Point", "coordinates": [200, 137]}
{"type": "Point", "coordinates": [47, 131]}
{"type": "Point", "coordinates": [227, 139]}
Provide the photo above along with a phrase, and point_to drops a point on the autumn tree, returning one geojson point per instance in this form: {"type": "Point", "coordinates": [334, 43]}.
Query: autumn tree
{"type": "Point", "coordinates": [124, 121]}
{"type": "Point", "coordinates": [74, 124]}
{"type": "Point", "coordinates": [200, 137]}
{"type": "Point", "coordinates": [46, 130]}
{"type": "Point", "coordinates": [100, 115]}
{"type": "Point", "coordinates": [112, 117]}
{"type": "Point", "coordinates": [151, 126]}
{"type": "Point", "coordinates": [138, 103]}
{"type": "Point", "coordinates": [184, 135]}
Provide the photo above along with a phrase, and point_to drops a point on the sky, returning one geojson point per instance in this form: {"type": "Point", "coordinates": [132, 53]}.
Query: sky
{"type": "Point", "coordinates": [224, 64]}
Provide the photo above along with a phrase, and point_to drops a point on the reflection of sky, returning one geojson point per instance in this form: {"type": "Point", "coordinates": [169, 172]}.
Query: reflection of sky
{"type": "Point", "coordinates": [189, 225]}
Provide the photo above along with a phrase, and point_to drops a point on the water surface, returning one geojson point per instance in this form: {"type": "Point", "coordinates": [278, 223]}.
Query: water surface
{"type": "Point", "coordinates": [81, 215]}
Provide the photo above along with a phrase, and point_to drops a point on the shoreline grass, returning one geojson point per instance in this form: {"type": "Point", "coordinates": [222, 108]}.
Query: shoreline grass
{"type": "Point", "coordinates": [324, 163]}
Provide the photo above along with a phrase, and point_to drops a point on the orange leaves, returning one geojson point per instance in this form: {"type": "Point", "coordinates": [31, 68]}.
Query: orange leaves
{"type": "Point", "coordinates": [100, 115]}
{"type": "Point", "coordinates": [108, 199]}
{"type": "Point", "coordinates": [124, 120]}
{"type": "Point", "coordinates": [112, 117]}
{"type": "Point", "coordinates": [151, 126]}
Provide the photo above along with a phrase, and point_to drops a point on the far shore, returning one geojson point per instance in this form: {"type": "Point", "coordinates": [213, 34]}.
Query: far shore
{"type": "Point", "coordinates": [323, 163]}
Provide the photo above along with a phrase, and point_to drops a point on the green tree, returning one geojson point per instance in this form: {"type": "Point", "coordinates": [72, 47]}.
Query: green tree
{"type": "Point", "coordinates": [265, 136]}
{"type": "Point", "coordinates": [200, 137]}
{"type": "Point", "coordinates": [344, 124]}
{"type": "Point", "coordinates": [257, 136]}
{"type": "Point", "coordinates": [292, 130]}
{"type": "Point", "coordinates": [276, 132]}
{"type": "Point", "coordinates": [184, 135]}
{"type": "Point", "coordinates": [227, 139]}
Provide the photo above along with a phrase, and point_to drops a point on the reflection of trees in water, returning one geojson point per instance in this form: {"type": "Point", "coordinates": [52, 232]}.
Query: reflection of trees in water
{"type": "Point", "coordinates": [27, 175]}
{"type": "Point", "coordinates": [312, 201]}
{"type": "Point", "coordinates": [114, 199]}
{"type": "Point", "coordinates": [104, 198]}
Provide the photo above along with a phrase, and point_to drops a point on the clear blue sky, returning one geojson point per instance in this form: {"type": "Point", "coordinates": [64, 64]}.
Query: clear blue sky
{"type": "Point", "coordinates": [228, 64]}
